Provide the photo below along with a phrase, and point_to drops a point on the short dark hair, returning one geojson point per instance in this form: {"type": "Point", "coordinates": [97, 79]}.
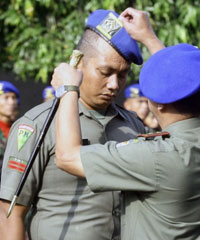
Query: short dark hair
{"type": "Point", "coordinates": [87, 44]}
{"type": "Point", "coordinates": [189, 105]}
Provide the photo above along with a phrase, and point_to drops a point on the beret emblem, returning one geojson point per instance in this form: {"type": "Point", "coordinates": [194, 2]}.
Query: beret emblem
{"type": "Point", "coordinates": [109, 25]}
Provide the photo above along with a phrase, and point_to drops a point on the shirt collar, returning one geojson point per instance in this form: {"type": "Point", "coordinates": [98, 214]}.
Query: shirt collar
{"type": "Point", "coordinates": [183, 125]}
{"type": "Point", "coordinates": [112, 111]}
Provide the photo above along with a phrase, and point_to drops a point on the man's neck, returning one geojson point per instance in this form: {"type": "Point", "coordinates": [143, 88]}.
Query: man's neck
{"type": "Point", "coordinates": [94, 108]}
{"type": "Point", "coordinates": [169, 118]}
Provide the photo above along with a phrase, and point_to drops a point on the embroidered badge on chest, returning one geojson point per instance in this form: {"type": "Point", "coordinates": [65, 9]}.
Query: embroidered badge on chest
{"type": "Point", "coordinates": [24, 132]}
{"type": "Point", "coordinates": [109, 26]}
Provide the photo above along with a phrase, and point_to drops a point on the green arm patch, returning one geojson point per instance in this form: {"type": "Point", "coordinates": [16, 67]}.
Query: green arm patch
{"type": "Point", "coordinates": [24, 132]}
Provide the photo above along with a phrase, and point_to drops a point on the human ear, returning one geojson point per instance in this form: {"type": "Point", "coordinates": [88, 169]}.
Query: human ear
{"type": "Point", "coordinates": [80, 64]}
{"type": "Point", "coordinates": [160, 107]}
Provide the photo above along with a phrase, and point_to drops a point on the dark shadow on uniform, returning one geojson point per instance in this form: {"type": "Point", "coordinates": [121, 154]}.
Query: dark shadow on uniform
{"type": "Point", "coordinates": [74, 205]}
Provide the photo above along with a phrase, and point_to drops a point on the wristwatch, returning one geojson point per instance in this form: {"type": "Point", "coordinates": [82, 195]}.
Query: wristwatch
{"type": "Point", "coordinates": [66, 88]}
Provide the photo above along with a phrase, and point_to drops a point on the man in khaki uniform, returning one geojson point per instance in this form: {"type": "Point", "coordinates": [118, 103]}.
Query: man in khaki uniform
{"type": "Point", "coordinates": [9, 109]}
{"type": "Point", "coordinates": [63, 206]}
{"type": "Point", "coordinates": [159, 174]}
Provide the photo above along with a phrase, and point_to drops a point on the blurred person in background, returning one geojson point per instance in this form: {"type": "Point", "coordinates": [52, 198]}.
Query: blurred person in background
{"type": "Point", "coordinates": [9, 109]}
{"type": "Point", "coordinates": [158, 174]}
{"type": "Point", "coordinates": [151, 123]}
{"type": "Point", "coordinates": [137, 102]}
{"type": "Point", "coordinates": [48, 93]}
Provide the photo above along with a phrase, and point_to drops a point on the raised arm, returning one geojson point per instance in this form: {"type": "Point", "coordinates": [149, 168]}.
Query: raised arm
{"type": "Point", "coordinates": [68, 133]}
{"type": "Point", "coordinates": [137, 24]}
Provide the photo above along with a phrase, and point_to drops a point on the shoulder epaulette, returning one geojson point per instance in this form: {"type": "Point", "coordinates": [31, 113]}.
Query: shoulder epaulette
{"type": "Point", "coordinates": [153, 135]}
{"type": "Point", "coordinates": [38, 110]}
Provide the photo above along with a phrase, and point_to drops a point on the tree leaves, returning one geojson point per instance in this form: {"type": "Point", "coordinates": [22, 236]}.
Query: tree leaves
{"type": "Point", "coordinates": [38, 34]}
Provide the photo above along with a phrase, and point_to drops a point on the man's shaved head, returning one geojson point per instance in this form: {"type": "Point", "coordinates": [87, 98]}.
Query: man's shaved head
{"type": "Point", "coordinates": [88, 44]}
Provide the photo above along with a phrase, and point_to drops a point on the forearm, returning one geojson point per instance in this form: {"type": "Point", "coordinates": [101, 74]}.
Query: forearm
{"type": "Point", "coordinates": [11, 228]}
{"type": "Point", "coordinates": [153, 44]}
{"type": "Point", "coordinates": [68, 135]}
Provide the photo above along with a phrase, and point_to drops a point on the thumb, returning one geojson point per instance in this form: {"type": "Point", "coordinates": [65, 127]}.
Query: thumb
{"type": "Point", "coordinates": [125, 22]}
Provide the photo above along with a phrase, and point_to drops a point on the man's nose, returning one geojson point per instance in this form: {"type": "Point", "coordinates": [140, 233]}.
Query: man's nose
{"type": "Point", "coordinates": [113, 82]}
{"type": "Point", "coordinates": [144, 105]}
{"type": "Point", "coordinates": [12, 100]}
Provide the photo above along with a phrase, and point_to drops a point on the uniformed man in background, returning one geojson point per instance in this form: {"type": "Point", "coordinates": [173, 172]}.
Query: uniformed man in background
{"type": "Point", "coordinates": [9, 109]}
{"type": "Point", "coordinates": [48, 93]}
{"type": "Point", "coordinates": [137, 102]}
{"type": "Point", "coordinates": [64, 207]}
{"type": "Point", "coordinates": [159, 174]}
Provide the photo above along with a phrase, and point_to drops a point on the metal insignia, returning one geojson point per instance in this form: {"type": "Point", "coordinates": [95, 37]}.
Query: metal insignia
{"type": "Point", "coordinates": [109, 26]}
{"type": "Point", "coordinates": [122, 144]}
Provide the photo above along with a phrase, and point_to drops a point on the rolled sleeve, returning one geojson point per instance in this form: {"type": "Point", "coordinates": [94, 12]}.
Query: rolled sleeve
{"type": "Point", "coordinates": [10, 176]}
{"type": "Point", "coordinates": [128, 167]}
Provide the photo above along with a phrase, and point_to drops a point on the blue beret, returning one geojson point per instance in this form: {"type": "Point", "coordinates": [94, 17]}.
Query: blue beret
{"type": "Point", "coordinates": [107, 25]}
{"type": "Point", "coordinates": [6, 87]}
{"type": "Point", "coordinates": [133, 91]}
{"type": "Point", "coordinates": [171, 74]}
{"type": "Point", "coordinates": [48, 92]}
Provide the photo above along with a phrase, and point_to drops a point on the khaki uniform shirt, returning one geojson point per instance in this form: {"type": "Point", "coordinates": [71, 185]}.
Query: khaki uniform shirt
{"type": "Point", "coordinates": [64, 206]}
{"type": "Point", "coordinates": [160, 179]}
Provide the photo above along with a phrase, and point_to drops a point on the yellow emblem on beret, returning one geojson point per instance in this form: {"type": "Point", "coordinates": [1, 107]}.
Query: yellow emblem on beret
{"type": "Point", "coordinates": [1, 88]}
{"type": "Point", "coordinates": [49, 93]}
{"type": "Point", "coordinates": [109, 26]}
{"type": "Point", "coordinates": [134, 92]}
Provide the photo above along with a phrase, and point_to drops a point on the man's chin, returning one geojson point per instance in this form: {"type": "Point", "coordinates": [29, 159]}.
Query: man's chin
{"type": "Point", "coordinates": [101, 103]}
{"type": "Point", "coordinates": [104, 103]}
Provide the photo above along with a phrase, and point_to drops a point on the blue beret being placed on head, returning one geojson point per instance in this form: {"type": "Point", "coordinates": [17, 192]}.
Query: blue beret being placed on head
{"type": "Point", "coordinates": [171, 74]}
{"type": "Point", "coordinates": [133, 91]}
{"type": "Point", "coordinates": [6, 87]}
{"type": "Point", "coordinates": [107, 25]}
{"type": "Point", "coordinates": [48, 92]}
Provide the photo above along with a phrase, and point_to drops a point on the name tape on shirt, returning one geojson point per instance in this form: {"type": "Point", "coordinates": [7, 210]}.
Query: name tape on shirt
{"type": "Point", "coordinates": [17, 164]}
{"type": "Point", "coordinates": [24, 133]}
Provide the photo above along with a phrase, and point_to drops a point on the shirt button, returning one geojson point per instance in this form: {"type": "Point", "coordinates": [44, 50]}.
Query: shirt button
{"type": "Point", "coordinates": [115, 212]}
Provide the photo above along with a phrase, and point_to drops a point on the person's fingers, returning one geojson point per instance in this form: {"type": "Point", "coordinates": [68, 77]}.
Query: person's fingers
{"type": "Point", "coordinates": [123, 20]}
{"type": "Point", "coordinates": [128, 12]}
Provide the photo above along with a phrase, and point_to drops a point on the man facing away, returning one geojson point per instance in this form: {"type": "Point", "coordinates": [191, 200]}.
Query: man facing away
{"type": "Point", "coordinates": [159, 174]}
{"type": "Point", "coordinates": [63, 205]}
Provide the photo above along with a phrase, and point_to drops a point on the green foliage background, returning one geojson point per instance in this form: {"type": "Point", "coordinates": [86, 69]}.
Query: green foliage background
{"type": "Point", "coordinates": [36, 35]}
